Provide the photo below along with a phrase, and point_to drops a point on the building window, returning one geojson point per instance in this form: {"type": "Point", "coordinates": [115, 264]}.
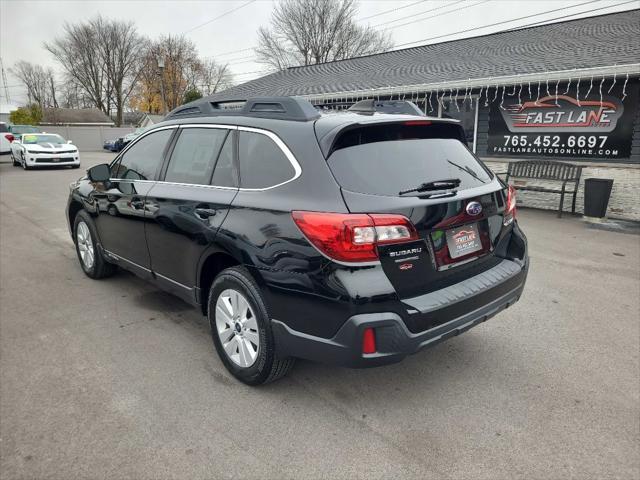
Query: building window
{"type": "Point", "coordinates": [467, 112]}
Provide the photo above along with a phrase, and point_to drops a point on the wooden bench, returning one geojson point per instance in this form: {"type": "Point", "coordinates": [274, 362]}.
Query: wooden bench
{"type": "Point", "coordinates": [546, 170]}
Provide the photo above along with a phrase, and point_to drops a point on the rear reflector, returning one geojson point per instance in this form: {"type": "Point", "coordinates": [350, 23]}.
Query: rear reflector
{"type": "Point", "coordinates": [369, 341]}
{"type": "Point", "coordinates": [353, 237]}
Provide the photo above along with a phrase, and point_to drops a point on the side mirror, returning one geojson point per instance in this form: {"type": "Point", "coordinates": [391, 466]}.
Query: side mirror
{"type": "Point", "coordinates": [99, 173]}
{"type": "Point", "coordinates": [69, 142]}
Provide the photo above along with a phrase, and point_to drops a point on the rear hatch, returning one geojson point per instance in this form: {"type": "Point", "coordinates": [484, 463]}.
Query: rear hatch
{"type": "Point", "coordinates": [395, 168]}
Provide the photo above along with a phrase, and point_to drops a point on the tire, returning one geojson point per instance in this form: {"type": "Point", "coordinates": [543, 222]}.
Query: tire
{"type": "Point", "coordinates": [267, 365]}
{"type": "Point", "coordinates": [24, 163]}
{"type": "Point", "coordinates": [85, 239]}
{"type": "Point", "coordinates": [13, 161]}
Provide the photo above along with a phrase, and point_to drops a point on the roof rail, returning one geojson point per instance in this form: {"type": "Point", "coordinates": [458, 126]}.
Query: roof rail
{"type": "Point", "coordinates": [371, 106]}
{"type": "Point", "coordinates": [282, 108]}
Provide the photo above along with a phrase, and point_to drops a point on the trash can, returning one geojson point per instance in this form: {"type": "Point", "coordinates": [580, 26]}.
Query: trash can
{"type": "Point", "coordinates": [596, 196]}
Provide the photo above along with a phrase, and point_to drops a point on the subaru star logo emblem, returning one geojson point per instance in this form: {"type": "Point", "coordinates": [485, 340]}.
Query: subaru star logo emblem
{"type": "Point", "coordinates": [474, 208]}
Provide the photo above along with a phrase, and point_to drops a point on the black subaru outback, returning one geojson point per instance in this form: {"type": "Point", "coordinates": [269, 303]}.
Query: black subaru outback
{"type": "Point", "coordinates": [354, 238]}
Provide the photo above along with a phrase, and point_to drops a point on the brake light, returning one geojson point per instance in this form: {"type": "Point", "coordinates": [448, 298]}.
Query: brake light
{"type": "Point", "coordinates": [417, 122]}
{"type": "Point", "coordinates": [510, 207]}
{"type": "Point", "coordinates": [9, 137]}
{"type": "Point", "coordinates": [353, 237]}
{"type": "Point", "coordinates": [369, 341]}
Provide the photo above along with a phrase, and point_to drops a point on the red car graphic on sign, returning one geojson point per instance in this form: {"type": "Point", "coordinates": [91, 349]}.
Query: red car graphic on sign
{"type": "Point", "coordinates": [553, 113]}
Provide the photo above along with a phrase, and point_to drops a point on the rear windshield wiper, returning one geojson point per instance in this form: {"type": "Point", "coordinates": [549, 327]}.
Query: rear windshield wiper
{"type": "Point", "coordinates": [437, 185]}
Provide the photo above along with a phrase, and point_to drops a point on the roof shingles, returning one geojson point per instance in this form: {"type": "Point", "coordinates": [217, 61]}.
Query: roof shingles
{"type": "Point", "coordinates": [590, 42]}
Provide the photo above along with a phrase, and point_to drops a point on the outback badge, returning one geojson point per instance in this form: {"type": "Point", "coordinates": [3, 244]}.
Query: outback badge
{"type": "Point", "coordinates": [474, 208]}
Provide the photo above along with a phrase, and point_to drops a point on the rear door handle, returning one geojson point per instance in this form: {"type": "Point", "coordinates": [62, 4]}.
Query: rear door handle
{"type": "Point", "coordinates": [204, 212]}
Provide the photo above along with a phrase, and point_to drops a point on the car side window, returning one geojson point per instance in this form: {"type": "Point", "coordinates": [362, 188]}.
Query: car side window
{"type": "Point", "coordinates": [225, 174]}
{"type": "Point", "coordinates": [194, 155]}
{"type": "Point", "coordinates": [142, 160]}
{"type": "Point", "coordinates": [262, 163]}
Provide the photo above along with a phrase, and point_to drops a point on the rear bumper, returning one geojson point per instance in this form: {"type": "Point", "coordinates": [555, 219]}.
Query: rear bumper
{"type": "Point", "coordinates": [394, 340]}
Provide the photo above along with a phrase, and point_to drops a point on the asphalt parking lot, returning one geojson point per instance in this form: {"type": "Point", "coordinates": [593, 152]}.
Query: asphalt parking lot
{"type": "Point", "coordinates": [115, 379]}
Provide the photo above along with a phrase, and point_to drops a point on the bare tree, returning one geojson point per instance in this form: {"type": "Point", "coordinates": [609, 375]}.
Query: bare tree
{"type": "Point", "coordinates": [39, 82]}
{"type": "Point", "coordinates": [78, 52]}
{"type": "Point", "coordinates": [121, 53]}
{"type": "Point", "coordinates": [306, 32]}
{"type": "Point", "coordinates": [103, 58]}
{"type": "Point", "coordinates": [72, 95]}
{"type": "Point", "coordinates": [214, 77]}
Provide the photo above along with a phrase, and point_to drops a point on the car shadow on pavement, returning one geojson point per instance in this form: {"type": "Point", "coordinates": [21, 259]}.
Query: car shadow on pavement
{"type": "Point", "coordinates": [446, 366]}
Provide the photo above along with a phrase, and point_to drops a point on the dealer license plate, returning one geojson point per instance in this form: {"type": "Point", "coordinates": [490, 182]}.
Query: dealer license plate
{"type": "Point", "coordinates": [463, 240]}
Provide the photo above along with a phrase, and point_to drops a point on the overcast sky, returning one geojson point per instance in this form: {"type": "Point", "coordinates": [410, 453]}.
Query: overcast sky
{"type": "Point", "coordinates": [26, 25]}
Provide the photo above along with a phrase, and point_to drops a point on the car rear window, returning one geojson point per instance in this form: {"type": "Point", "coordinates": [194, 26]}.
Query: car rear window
{"type": "Point", "coordinates": [386, 167]}
{"type": "Point", "coordinates": [3, 128]}
{"type": "Point", "coordinates": [21, 129]}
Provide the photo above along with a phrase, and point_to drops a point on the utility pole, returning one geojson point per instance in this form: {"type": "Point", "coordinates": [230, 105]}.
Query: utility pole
{"type": "Point", "coordinates": [4, 82]}
{"type": "Point", "coordinates": [161, 70]}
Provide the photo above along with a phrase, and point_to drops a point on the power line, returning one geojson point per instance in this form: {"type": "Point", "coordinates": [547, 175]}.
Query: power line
{"type": "Point", "coordinates": [232, 62]}
{"type": "Point", "coordinates": [255, 71]}
{"type": "Point", "coordinates": [391, 11]}
{"type": "Point", "coordinates": [235, 59]}
{"type": "Point", "coordinates": [490, 25]}
{"type": "Point", "coordinates": [218, 17]}
{"type": "Point", "coordinates": [509, 21]}
{"type": "Point", "coordinates": [230, 52]}
{"type": "Point", "coordinates": [419, 13]}
{"type": "Point", "coordinates": [365, 18]}
{"type": "Point", "coordinates": [436, 15]}
{"type": "Point", "coordinates": [542, 22]}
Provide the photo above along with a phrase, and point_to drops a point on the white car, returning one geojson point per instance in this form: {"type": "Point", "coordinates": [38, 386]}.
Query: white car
{"type": "Point", "coordinates": [5, 138]}
{"type": "Point", "coordinates": [43, 150]}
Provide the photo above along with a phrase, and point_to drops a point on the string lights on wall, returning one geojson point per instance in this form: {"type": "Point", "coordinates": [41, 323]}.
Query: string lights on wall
{"type": "Point", "coordinates": [435, 100]}
{"type": "Point", "coordinates": [590, 87]}
{"type": "Point", "coordinates": [624, 88]}
{"type": "Point", "coordinates": [615, 74]}
{"type": "Point", "coordinates": [600, 89]}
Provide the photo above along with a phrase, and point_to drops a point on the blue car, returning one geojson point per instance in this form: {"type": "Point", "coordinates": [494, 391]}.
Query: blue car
{"type": "Point", "coordinates": [109, 145]}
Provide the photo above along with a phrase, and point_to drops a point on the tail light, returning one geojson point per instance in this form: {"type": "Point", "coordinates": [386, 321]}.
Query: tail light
{"type": "Point", "coordinates": [510, 207]}
{"type": "Point", "coordinates": [9, 137]}
{"type": "Point", "coordinates": [353, 237]}
{"type": "Point", "coordinates": [369, 341]}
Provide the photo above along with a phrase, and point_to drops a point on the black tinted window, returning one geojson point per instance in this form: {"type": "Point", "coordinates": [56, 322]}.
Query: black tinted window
{"type": "Point", "coordinates": [225, 173]}
{"type": "Point", "coordinates": [262, 163]}
{"type": "Point", "coordinates": [386, 168]}
{"type": "Point", "coordinates": [194, 155]}
{"type": "Point", "coordinates": [411, 130]}
{"type": "Point", "coordinates": [141, 161]}
{"type": "Point", "coordinates": [3, 127]}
